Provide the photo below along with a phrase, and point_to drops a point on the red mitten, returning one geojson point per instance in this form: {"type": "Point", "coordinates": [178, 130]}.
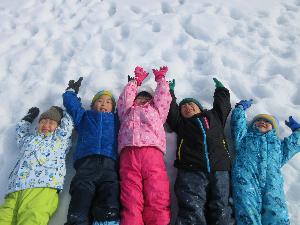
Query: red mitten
{"type": "Point", "coordinates": [160, 73]}
{"type": "Point", "coordinates": [140, 75]}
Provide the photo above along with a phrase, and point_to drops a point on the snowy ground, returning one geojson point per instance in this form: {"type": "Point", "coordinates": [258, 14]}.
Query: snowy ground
{"type": "Point", "coordinates": [253, 48]}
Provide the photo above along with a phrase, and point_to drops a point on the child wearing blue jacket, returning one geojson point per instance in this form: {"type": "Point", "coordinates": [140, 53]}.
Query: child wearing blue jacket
{"type": "Point", "coordinates": [38, 175]}
{"type": "Point", "coordinates": [256, 177]}
{"type": "Point", "coordinates": [94, 189]}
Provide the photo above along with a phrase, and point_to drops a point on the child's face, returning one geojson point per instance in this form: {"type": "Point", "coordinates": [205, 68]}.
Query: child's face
{"type": "Point", "coordinates": [141, 100]}
{"type": "Point", "coordinates": [189, 109]}
{"type": "Point", "coordinates": [47, 126]}
{"type": "Point", "coordinates": [263, 125]}
{"type": "Point", "coordinates": [103, 104]}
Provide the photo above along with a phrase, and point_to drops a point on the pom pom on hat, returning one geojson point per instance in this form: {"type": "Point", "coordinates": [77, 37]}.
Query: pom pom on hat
{"type": "Point", "coordinates": [53, 113]}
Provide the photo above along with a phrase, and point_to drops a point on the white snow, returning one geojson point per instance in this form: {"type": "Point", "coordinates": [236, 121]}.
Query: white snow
{"type": "Point", "coordinates": [251, 46]}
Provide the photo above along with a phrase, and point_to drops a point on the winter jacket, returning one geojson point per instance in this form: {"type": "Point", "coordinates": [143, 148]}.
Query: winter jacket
{"type": "Point", "coordinates": [201, 143]}
{"type": "Point", "coordinates": [97, 131]}
{"type": "Point", "coordinates": [256, 177]}
{"type": "Point", "coordinates": [41, 160]}
{"type": "Point", "coordinates": [143, 125]}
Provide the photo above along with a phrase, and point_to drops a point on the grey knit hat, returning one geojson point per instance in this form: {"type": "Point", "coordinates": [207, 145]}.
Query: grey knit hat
{"type": "Point", "coordinates": [54, 113]}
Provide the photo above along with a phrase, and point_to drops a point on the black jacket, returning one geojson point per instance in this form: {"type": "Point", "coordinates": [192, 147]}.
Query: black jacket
{"type": "Point", "coordinates": [201, 143]}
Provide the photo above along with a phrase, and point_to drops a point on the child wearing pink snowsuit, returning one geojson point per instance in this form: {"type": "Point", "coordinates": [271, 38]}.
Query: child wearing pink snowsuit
{"type": "Point", "coordinates": [145, 192]}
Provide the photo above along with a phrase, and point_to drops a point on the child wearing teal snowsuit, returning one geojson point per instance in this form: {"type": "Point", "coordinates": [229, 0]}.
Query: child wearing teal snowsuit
{"type": "Point", "coordinates": [38, 176]}
{"type": "Point", "coordinates": [256, 177]}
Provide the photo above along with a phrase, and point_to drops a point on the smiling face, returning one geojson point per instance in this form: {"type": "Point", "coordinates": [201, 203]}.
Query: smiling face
{"type": "Point", "coordinates": [189, 109]}
{"type": "Point", "coordinates": [263, 125]}
{"type": "Point", "coordinates": [104, 104]}
{"type": "Point", "coordinates": [47, 126]}
{"type": "Point", "coordinates": [141, 100]}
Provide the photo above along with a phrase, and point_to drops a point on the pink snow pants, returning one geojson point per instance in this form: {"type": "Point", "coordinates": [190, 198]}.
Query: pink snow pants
{"type": "Point", "coordinates": [145, 188]}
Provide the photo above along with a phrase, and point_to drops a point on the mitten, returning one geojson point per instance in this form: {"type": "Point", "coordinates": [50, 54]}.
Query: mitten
{"type": "Point", "coordinates": [75, 85]}
{"type": "Point", "coordinates": [245, 103]}
{"type": "Point", "coordinates": [292, 124]}
{"type": "Point", "coordinates": [160, 73]}
{"type": "Point", "coordinates": [32, 114]}
{"type": "Point", "coordinates": [172, 85]}
{"type": "Point", "coordinates": [140, 75]}
{"type": "Point", "coordinates": [130, 78]}
{"type": "Point", "coordinates": [218, 84]}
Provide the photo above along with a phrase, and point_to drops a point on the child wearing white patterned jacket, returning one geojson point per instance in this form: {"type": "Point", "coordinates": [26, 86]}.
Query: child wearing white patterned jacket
{"type": "Point", "coordinates": [38, 176]}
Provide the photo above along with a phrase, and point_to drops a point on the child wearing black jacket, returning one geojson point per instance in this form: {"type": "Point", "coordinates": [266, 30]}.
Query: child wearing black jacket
{"type": "Point", "coordinates": [202, 184]}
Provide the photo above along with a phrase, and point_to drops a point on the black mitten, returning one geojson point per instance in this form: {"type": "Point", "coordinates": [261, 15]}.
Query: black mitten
{"type": "Point", "coordinates": [32, 114]}
{"type": "Point", "coordinates": [75, 85]}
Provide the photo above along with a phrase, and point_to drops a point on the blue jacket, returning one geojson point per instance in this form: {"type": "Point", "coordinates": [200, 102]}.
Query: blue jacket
{"type": "Point", "coordinates": [41, 160]}
{"type": "Point", "coordinates": [256, 176]}
{"type": "Point", "coordinates": [97, 131]}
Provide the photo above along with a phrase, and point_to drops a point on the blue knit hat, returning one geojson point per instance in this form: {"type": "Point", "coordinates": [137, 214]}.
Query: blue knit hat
{"type": "Point", "coordinates": [187, 100]}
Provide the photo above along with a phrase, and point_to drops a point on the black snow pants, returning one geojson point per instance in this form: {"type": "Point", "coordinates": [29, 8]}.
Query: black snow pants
{"type": "Point", "coordinates": [203, 198]}
{"type": "Point", "coordinates": [94, 191]}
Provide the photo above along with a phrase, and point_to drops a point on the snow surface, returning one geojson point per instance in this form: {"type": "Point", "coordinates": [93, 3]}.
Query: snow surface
{"type": "Point", "coordinates": [251, 46]}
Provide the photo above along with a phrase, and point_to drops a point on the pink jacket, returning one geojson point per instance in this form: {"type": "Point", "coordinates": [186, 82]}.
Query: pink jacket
{"type": "Point", "coordinates": [143, 125]}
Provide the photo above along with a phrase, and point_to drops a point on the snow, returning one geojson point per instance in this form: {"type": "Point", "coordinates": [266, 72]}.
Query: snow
{"type": "Point", "coordinates": [251, 46]}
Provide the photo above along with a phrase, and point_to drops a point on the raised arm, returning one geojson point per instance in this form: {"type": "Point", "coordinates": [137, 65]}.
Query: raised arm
{"type": "Point", "coordinates": [72, 103]}
{"type": "Point", "coordinates": [239, 121]}
{"type": "Point", "coordinates": [221, 101]}
{"type": "Point", "coordinates": [291, 145]}
{"type": "Point", "coordinates": [64, 130]}
{"type": "Point", "coordinates": [23, 127]}
{"type": "Point", "coordinates": [162, 97]}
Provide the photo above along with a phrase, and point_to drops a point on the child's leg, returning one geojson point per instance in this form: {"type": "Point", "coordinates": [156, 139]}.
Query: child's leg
{"type": "Point", "coordinates": [82, 191]}
{"type": "Point", "coordinates": [191, 191]}
{"type": "Point", "coordinates": [219, 209]}
{"type": "Point", "coordinates": [8, 209]}
{"type": "Point", "coordinates": [106, 204]}
{"type": "Point", "coordinates": [274, 208]}
{"type": "Point", "coordinates": [36, 206]}
{"type": "Point", "coordinates": [156, 188]}
{"type": "Point", "coordinates": [132, 200]}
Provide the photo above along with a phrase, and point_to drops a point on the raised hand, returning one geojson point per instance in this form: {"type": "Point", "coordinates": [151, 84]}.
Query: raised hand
{"type": "Point", "coordinates": [245, 103]}
{"type": "Point", "coordinates": [218, 83]}
{"type": "Point", "coordinates": [31, 114]}
{"type": "Point", "coordinates": [160, 73]}
{"type": "Point", "coordinates": [139, 75]}
{"type": "Point", "coordinates": [292, 124]}
{"type": "Point", "coordinates": [75, 85]}
{"type": "Point", "coordinates": [172, 85]}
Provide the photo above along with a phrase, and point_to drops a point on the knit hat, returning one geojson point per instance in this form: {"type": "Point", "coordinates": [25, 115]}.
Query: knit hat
{"type": "Point", "coordinates": [187, 100]}
{"type": "Point", "coordinates": [272, 119]}
{"type": "Point", "coordinates": [103, 92]}
{"type": "Point", "coordinates": [53, 113]}
{"type": "Point", "coordinates": [145, 88]}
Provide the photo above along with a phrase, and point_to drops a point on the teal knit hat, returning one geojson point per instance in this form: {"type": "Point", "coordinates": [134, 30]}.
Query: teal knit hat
{"type": "Point", "coordinates": [187, 100]}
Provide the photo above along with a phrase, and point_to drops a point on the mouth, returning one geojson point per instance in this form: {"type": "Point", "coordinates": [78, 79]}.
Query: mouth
{"type": "Point", "coordinates": [103, 110]}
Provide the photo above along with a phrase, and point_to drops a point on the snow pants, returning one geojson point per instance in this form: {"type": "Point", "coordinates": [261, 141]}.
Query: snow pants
{"type": "Point", "coordinates": [145, 188]}
{"type": "Point", "coordinates": [95, 191]}
{"type": "Point", "coordinates": [34, 206]}
{"type": "Point", "coordinates": [203, 198]}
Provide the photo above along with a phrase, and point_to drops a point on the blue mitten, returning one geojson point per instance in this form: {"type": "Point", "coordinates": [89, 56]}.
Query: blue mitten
{"type": "Point", "coordinates": [292, 124]}
{"type": "Point", "coordinates": [245, 103]}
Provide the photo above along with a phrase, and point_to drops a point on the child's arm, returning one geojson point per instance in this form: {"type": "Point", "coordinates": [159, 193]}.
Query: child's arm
{"type": "Point", "coordinates": [64, 130]}
{"type": "Point", "coordinates": [221, 101]}
{"type": "Point", "coordinates": [173, 118]}
{"type": "Point", "coordinates": [129, 93]}
{"type": "Point", "coordinates": [162, 97]}
{"type": "Point", "coordinates": [239, 121]}
{"type": "Point", "coordinates": [291, 145]}
{"type": "Point", "coordinates": [23, 127]}
{"type": "Point", "coordinates": [71, 102]}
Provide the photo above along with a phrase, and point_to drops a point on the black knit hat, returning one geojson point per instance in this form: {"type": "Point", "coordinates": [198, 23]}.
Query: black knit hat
{"type": "Point", "coordinates": [54, 113]}
{"type": "Point", "coordinates": [187, 100]}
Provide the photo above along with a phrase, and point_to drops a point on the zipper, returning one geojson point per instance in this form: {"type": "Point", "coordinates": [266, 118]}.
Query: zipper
{"type": "Point", "coordinates": [205, 146]}
{"type": "Point", "coordinates": [179, 149]}
{"type": "Point", "coordinates": [226, 148]}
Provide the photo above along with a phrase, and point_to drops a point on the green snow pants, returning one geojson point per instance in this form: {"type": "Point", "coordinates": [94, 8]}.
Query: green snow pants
{"type": "Point", "coordinates": [33, 206]}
